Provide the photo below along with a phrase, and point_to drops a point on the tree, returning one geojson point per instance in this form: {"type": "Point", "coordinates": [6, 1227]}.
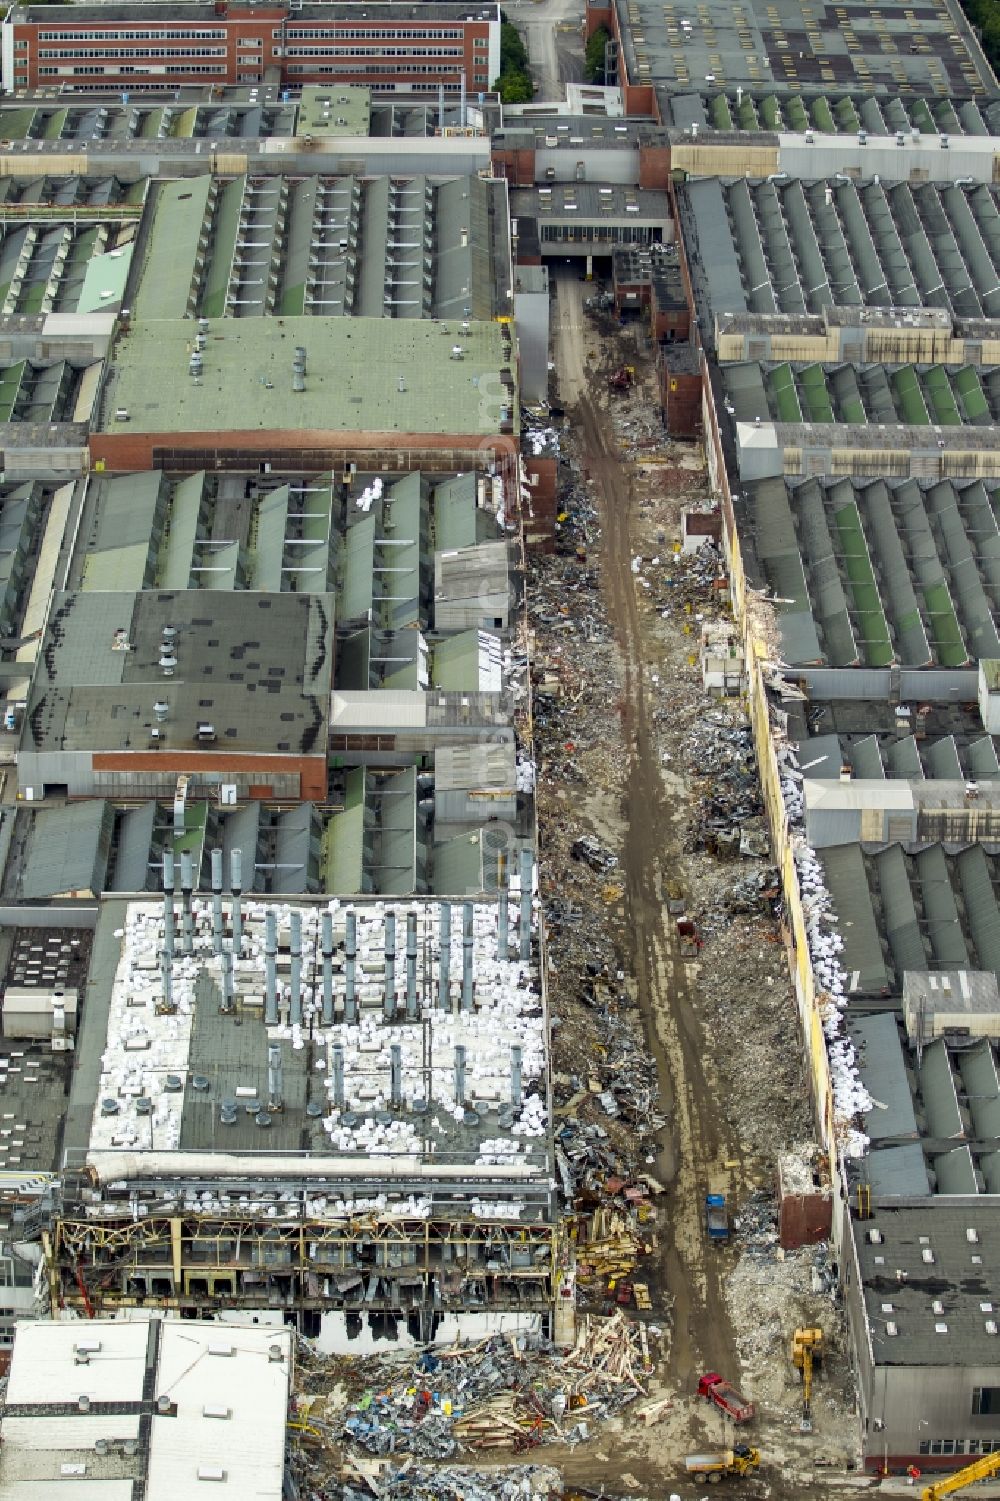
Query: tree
{"type": "Point", "coordinates": [593, 62]}
{"type": "Point", "coordinates": [514, 88]}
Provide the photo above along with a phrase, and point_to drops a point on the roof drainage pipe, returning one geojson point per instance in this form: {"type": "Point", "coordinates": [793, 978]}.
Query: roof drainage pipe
{"type": "Point", "coordinates": [116, 1167]}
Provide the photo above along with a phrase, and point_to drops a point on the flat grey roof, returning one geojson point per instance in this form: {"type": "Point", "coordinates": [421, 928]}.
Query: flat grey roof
{"type": "Point", "coordinates": [355, 367]}
{"type": "Point", "coordinates": [255, 667]}
{"type": "Point", "coordinates": [899, 47]}
{"type": "Point", "coordinates": [949, 1256]}
{"type": "Point", "coordinates": [400, 10]}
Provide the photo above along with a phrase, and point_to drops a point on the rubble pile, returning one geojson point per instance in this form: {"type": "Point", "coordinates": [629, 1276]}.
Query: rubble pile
{"type": "Point", "coordinates": [507, 1392]}
{"type": "Point", "coordinates": [456, 1483]}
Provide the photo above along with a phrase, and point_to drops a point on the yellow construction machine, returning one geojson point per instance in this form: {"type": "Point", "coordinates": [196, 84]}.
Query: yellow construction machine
{"type": "Point", "coordinates": [807, 1349]}
{"type": "Point", "coordinates": [980, 1469]}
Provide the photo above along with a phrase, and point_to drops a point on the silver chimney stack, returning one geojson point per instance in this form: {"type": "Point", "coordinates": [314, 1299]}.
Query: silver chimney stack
{"type": "Point", "coordinates": [338, 1076]}
{"type": "Point", "coordinates": [227, 979]}
{"type": "Point", "coordinates": [350, 984]}
{"type": "Point", "coordinates": [467, 942]}
{"type": "Point", "coordinates": [168, 903]}
{"type": "Point", "coordinates": [275, 1100]}
{"type": "Point", "coordinates": [217, 901]}
{"type": "Point", "coordinates": [396, 1076]}
{"type": "Point", "coordinates": [168, 981]}
{"type": "Point", "coordinates": [444, 981]}
{"type": "Point", "coordinates": [271, 968]}
{"type": "Point", "coordinates": [296, 943]}
{"type": "Point", "coordinates": [236, 883]}
{"type": "Point", "coordinates": [389, 1010]}
{"type": "Point", "coordinates": [411, 966]}
{"type": "Point", "coordinates": [326, 935]}
{"type": "Point", "coordinates": [459, 1074]}
{"type": "Point", "coordinates": [515, 1076]}
{"type": "Point", "coordinates": [187, 884]}
{"type": "Point", "coordinates": [503, 925]}
{"type": "Point", "coordinates": [525, 926]}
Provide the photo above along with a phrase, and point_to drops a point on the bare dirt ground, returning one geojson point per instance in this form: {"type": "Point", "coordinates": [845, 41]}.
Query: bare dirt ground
{"type": "Point", "coordinates": [722, 1028]}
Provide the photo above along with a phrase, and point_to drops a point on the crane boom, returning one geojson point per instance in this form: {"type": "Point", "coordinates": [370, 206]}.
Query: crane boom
{"type": "Point", "coordinates": [980, 1469]}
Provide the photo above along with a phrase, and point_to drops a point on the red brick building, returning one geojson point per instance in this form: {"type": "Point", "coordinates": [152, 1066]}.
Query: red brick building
{"type": "Point", "coordinates": [388, 46]}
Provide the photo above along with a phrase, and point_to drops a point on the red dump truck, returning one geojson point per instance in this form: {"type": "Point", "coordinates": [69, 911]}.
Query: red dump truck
{"type": "Point", "coordinates": [726, 1398]}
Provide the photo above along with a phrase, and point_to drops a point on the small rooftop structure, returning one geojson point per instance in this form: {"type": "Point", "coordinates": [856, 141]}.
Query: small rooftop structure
{"type": "Point", "coordinates": [961, 1001]}
{"type": "Point", "coordinates": [102, 1408]}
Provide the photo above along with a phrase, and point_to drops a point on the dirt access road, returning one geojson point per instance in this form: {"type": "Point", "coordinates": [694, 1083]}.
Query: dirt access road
{"type": "Point", "coordinates": [553, 34]}
{"type": "Point", "coordinates": [695, 1145]}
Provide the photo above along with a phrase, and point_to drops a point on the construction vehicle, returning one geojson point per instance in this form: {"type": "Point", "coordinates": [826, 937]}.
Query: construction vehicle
{"type": "Point", "coordinates": [716, 1215]}
{"type": "Point", "coordinates": [725, 1397]}
{"type": "Point", "coordinates": [740, 1460]}
{"type": "Point", "coordinates": [622, 379]}
{"type": "Point", "coordinates": [980, 1469]}
{"type": "Point", "coordinates": [807, 1351]}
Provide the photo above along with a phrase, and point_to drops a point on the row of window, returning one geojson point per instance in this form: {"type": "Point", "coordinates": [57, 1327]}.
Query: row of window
{"type": "Point", "coordinates": [375, 67]}
{"type": "Point", "coordinates": [374, 52]}
{"type": "Point", "coordinates": [372, 33]}
{"type": "Point", "coordinates": [184, 69]}
{"type": "Point", "coordinates": [189, 34]}
{"type": "Point", "coordinates": [108, 52]}
{"type": "Point", "coordinates": [960, 1446]}
{"type": "Point", "coordinates": [630, 234]}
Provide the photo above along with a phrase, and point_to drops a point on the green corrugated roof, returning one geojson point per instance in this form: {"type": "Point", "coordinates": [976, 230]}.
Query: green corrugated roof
{"type": "Point", "coordinates": [67, 850]}
{"type": "Point", "coordinates": [359, 560]}
{"type": "Point", "coordinates": [272, 520]}
{"type": "Point", "coordinates": [456, 663]}
{"type": "Point", "coordinates": [104, 280]}
{"type": "Point", "coordinates": [178, 216]}
{"type": "Point", "coordinates": [344, 840]}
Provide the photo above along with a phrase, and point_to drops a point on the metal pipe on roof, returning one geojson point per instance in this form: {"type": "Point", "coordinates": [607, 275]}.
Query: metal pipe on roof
{"type": "Point", "coordinates": [461, 109]}
{"type": "Point", "coordinates": [525, 923]}
{"type": "Point", "coordinates": [467, 943]}
{"type": "Point", "coordinates": [389, 1005]}
{"type": "Point", "coordinates": [350, 954]}
{"type": "Point", "coordinates": [296, 946]}
{"type": "Point", "coordinates": [459, 1074]}
{"type": "Point", "coordinates": [326, 938]}
{"type": "Point", "coordinates": [236, 884]}
{"type": "Point", "coordinates": [167, 973]}
{"type": "Point", "coordinates": [271, 968]}
{"type": "Point", "coordinates": [444, 979]}
{"type": "Point", "coordinates": [275, 1078]}
{"type": "Point", "coordinates": [338, 1076]}
{"type": "Point", "coordinates": [440, 106]}
{"type": "Point", "coordinates": [395, 1076]}
{"type": "Point", "coordinates": [217, 901]}
{"type": "Point", "coordinates": [187, 884]}
{"type": "Point", "coordinates": [515, 1076]}
{"type": "Point", "coordinates": [411, 966]}
{"type": "Point", "coordinates": [115, 1167]}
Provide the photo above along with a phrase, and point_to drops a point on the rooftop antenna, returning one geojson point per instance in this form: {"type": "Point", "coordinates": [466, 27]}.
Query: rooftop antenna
{"type": "Point", "coordinates": [411, 966]}
{"type": "Point", "coordinates": [467, 942]}
{"type": "Point", "coordinates": [326, 938]}
{"type": "Point", "coordinates": [236, 883]}
{"type": "Point", "coordinates": [390, 966]}
{"type": "Point", "coordinates": [271, 968]}
{"type": "Point", "coordinates": [217, 901]}
{"type": "Point", "coordinates": [350, 953]}
{"type": "Point", "coordinates": [444, 978]}
{"type": "Point", "coordinates": [296, 945]}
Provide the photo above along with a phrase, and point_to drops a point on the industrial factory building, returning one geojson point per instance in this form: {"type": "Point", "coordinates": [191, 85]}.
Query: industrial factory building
{"type": "Point", "coordinates": [329, 1109]}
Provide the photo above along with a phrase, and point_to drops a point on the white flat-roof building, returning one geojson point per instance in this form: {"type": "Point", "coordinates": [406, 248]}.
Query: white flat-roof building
{"type": "Point", "coordinates": [152, 1407]}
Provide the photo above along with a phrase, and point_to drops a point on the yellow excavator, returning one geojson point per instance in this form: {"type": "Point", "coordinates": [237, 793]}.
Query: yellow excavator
{"type": "Point", "coordinates": [980, 1469]}
{"type": "Point", "coordinates": [807, 1349]}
